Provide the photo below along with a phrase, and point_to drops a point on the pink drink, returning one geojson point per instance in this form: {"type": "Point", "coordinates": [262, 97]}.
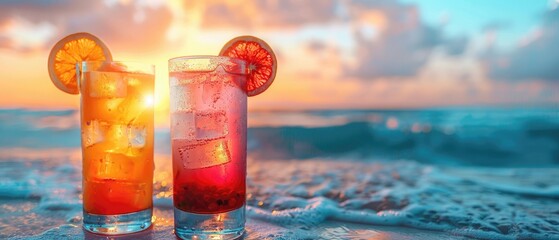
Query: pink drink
{"type": "Point", "coordinates": [208, 133]}
{"type": "Point", "coordinates": [213, 189]}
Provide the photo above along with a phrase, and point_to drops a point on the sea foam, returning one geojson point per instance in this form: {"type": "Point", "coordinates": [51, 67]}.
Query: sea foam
{"type": "Point", "coordinates": [304, 194]}
{"type": "Point", "coordinates": [297, 199]}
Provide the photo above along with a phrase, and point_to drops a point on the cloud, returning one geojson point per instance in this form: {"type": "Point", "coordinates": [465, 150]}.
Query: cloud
{"type": "Point", "coordinates": [390, 39]}
{"type": "Point", "coordinates": [401, 47]}
{"type": "Point", "coordinates": [28, 2]}
{"type": "Point", "coordinates": [456, 46]}
{"type": "Point", "coordinates": [267, 13]}
{"type": "Point", "coordinates": [121, 24]}
{"type": "Point", "coordinates": [23, 35]}
{"type": "Point", "coordinates": [316, 46]}
{"type": "Point", "coordinates": [496, 26]}
{"type": "Point", "coordinates": [535, 58]}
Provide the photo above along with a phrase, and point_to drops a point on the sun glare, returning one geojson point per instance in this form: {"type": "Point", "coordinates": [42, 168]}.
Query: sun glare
{"type": "Point", "coordinates": [148, 100]}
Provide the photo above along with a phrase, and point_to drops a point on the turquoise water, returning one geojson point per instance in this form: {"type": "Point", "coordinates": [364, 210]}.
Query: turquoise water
{"type": "Point", "coordinates": [481, 173]}
{"type": "Point", "coordinates": [455, 137]}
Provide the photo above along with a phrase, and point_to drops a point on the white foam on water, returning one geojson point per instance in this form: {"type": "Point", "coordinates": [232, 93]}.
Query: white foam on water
{"type": "Point", "coordinates": [315, 198]}
{"type": "Point", "coordinates": [307, 193]}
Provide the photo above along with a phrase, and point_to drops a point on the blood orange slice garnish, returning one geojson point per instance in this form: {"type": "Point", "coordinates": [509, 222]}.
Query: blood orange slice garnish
{"type": "Point", "coordinates": [260, 58]}
{"type": "Point", "coordinates": [70, 50]}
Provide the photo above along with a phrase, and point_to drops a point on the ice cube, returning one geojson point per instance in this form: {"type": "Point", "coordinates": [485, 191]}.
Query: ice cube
{"type": "Point", "coordinates": [174, 79]}
{"type": "Point", "coordinates": [107, 167]}
{"type": "Point", "coordinates": [194, 96]}
{"type": "Point", "coordinates": [93, 133]}
{"type": "Point", "coordinates": [124, 139]}
{"type": "Point", "coordinates": [176, 101]}
{"type": "Point", "coordinates": [130, 108]}
{"type": "Point", "coordinates": [111, 106]}
{"type": "Point", "coordinates": [201, 154]}
{"type": "Point", "coordinates": [115, 166]}
{"type": "Point", "coordinates": [133, 80]}
{"type": "Point", "coordinates": [136, 136]}
{"type": "Point", "coordinates": [107, 85]}
{"type": "Point", "coordinates": [182, 97]}
{"type": "Point", "coordinates": [117, 138]}
{"type": "Point", "coordinates": [202, 96]}
{"type": "Point", "coordinates": [211, 125]}
{"type": "Point", "coordinates": [183, 126]}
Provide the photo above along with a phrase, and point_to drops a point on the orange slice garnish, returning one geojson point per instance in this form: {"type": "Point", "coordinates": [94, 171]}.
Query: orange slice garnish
{"type": "Point", "coordinates": [70, 50]}
{"type": "Point", "coordinates": [260, 58]}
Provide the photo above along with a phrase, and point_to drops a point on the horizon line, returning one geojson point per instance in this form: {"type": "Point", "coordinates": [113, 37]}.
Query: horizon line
{"type": "Point", "coordinates": [310, 109]}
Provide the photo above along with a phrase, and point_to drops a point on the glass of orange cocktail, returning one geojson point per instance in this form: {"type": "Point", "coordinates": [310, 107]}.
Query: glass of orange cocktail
{"type": "Point", "coordinates": [117, 145]}
{"type": "Point", "coordinates": [116, 131]}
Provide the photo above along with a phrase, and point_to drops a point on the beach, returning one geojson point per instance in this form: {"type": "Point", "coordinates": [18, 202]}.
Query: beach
{"type": "Point", "coordinates": [438, 174]}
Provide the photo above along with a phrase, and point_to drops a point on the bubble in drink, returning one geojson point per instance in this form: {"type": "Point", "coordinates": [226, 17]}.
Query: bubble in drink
{"type": "Point", "coordinates": [178, 98]}
{"type": "Point", "coordinates": [194, 94]}
{"type": "Point", "coordinates": [211, 94]}
{"type": "Point", "coordinates": [201, 153]}
{"type": "Point", "coordinates": [186, 97]}
{"type": "Point", "coordinates": [114, 166]}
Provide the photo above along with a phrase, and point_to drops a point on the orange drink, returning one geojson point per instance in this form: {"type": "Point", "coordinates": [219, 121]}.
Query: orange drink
{"type": "Point", "coordinates": [116, 131]}
{"type": "Point", "coordinates": [117, 143]}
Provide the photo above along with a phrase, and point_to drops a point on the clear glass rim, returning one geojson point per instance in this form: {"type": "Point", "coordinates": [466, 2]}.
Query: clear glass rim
{"type": "Point", "coordinates": [129, 66]}
{"type": "Point", "coordinates": [208, 63]}
{"type": "Point", "coordinates": [194, 57]}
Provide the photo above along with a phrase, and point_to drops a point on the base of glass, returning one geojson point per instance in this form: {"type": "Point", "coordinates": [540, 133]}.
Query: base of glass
{"type": "Point", "coordinates": [227, 225]}
{"type": "Point", "coordinates": [117, 224]}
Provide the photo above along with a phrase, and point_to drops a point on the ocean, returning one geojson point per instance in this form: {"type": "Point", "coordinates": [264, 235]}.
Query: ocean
{"type": "Point", "coordinates": [485, 173]}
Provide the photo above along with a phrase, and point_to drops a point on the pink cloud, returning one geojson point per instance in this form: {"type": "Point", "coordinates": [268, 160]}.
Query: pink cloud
{"type": "Point", "coordinates": [23, 35]}
{"type": "Point", "coordinates": [123, 25]}
{"type": "Point", "coordinates": [267, 14]}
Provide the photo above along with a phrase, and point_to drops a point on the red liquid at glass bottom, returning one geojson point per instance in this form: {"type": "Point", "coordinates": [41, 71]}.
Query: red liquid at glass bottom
{"type": "Point", "coordinates": [208, 189]}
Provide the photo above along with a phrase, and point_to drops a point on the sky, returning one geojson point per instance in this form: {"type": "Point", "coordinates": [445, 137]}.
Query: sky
{"type": "Point", "coordinates": [332, 54]}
